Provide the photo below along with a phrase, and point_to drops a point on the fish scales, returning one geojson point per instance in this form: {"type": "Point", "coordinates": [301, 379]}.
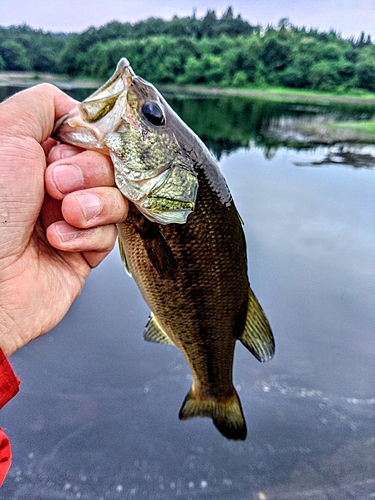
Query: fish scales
{"type": "Point", "coordinates": [182, 241]}
{"type": "Point", "coordinates": [206, 296]}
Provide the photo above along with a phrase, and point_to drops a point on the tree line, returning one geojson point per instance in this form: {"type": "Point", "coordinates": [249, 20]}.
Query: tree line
{"type": "Point", "coordinates": [215, 51]}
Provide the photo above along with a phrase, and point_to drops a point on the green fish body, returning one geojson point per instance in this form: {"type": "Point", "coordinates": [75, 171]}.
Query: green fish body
{"type": "Point", "coordinates": [182, 241]}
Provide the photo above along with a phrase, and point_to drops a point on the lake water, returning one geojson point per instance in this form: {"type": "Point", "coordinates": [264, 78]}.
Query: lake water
{"type": "Point", "coordinates": [97, 414]}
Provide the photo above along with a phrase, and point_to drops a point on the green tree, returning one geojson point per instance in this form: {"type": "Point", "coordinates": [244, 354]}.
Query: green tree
{"type": "Point", "coordinates": [151, 27]}
{"type": "Point", "coordinates": [362, 41]}
{"type": "Point", "coordinates": [208, 69]}
{"type": "Point", "coordinates": [178, 27]}
{"type": "Point", "coordinates": [68, 57]}
{"type": "Point", "coordinates": [208, 24]}
{"type": "Point", "coordinates": [276, 54]}
{"type": "Point", "coordinates": [44, 52]}
{"type": "Point", "coordinates": [114, 30]}
{"type": "Point", "coordinates": [231, 26]}
{"type": "Point", "coordinates": [246, 56]}
{"type": "Point", "coordinates": [239, 79]}
{"type": "Point", "coordinates": [14, 56]}
{"type": "Point", "coordinates": [323, 75]}
{"type": "Point", "coordinates": [214, 69]}
{"type": "Point", "coordinates": [225, 51]}
{"type": "Point", "coordinates": [304, 55]}
{"type": "Point", "coordinates": [365, 68]}
{"type": "Point", "coordinates": [193, 71]}
{"type": "Point", "coordinates": [293, 76]}
{"type": "Point", "coordinates": [330, 51]}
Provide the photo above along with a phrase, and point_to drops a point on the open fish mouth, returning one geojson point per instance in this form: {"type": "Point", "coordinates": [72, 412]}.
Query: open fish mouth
{"type": "Point", "coordinates": [125, 119]}
{"type": "Point", "coordinates": [93, 119]}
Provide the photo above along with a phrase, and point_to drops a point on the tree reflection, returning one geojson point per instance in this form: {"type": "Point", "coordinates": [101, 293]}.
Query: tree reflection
{"type": "Point", "coordinates": [226, 123]}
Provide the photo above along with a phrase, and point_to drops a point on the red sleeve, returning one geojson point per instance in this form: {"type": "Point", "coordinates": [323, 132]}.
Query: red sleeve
{"type": "Point", "coordinates": [5, 456]}
{"type": "Point", "coordinates": [9, 383]}
{"type": "Point", "coordinates": [9, 386]}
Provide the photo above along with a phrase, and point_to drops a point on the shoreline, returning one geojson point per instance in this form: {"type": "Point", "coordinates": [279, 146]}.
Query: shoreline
{"type": "Point", "coordinates": [288, 95]}
{"type": "Point", "coordinates": [25, 80]}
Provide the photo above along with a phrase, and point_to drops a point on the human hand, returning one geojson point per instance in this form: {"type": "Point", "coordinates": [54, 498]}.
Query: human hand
{"type": "Point", "coordinates": [48, 241]}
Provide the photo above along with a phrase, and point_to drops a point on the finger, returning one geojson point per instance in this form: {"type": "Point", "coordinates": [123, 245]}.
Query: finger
{"type": "Point", "coordinates": [94, 258]}
{"type": "Point", "coordinates": [95, 207]}
{"type": "Point", "coordinates": [63, 236]}
{"type": "Point", "coordinates": [62, 151]}
{"type": "Point", "coordinates": [33, 112]}
{"type": "Point", "coordinates": [26, 121]}
{"type": "Point", "coordinates": [48, 145]}
{"type": "Point", "coordinates": [51, 211]}
{"type": "Point", "coordinates": [81, 171]}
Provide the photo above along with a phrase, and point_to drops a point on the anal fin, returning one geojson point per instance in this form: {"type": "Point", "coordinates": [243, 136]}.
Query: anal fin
{"type": "Point", "coordinates": [257, 335]}
{"type": "Point", "coordinates": [154, 332]}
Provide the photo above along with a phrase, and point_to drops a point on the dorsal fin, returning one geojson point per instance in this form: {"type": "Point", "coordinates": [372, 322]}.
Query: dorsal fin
{"type": "Point", "coordinates": [154, 332]}
{"type": "Point", "coordinates": [257, 335]}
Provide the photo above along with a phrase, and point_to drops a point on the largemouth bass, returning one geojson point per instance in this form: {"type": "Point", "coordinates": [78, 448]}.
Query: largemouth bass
{"type": "Point", "coordinates": [182, 241]}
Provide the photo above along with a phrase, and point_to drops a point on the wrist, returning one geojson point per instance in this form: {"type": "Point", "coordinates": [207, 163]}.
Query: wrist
{"type": "Point", "coordinates": [9, 336]}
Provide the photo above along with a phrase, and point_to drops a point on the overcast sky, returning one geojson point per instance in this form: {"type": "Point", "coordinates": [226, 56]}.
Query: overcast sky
{"type": "Point", "coordinates": [349, 17]}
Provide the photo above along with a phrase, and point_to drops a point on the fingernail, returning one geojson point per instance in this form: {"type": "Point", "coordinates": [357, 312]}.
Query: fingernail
{"type": "Point", "coordinates": [67, 178]}
{"type": "Point", "coordinates": [90, 204]}
{"type": "Point", "coordinates": [66, 232]}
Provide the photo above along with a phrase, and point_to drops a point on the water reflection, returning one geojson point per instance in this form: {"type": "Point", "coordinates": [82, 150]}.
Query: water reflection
{"type": "Point", "coordinates": [96, 417]}
{"type": "Point", "coordinates": [358, 157]}
{"type": "Point", "coordinates": [227, 123]}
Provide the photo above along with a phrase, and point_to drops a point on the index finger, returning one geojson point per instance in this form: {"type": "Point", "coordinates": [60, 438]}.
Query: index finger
{"type": "Point", "coordinates": [33, 112]}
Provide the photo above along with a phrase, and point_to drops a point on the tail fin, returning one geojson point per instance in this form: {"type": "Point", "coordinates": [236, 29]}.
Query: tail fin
{"type": "Point", "coordinates": [227, 416]}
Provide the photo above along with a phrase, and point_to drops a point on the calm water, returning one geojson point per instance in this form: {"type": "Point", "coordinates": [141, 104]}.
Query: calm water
{"type": "Point", "coordinates": [96, 417]}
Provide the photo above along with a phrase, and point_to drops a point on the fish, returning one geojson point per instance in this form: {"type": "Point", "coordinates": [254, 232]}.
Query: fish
{"type": "Point", "coordinates": [182, 241]}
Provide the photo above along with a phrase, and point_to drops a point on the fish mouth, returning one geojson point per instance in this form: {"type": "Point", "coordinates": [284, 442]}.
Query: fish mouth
{"type": "Point", "coordinates": [102, 112]}
{"type": "Point", "coordinates": [99, 104]}
{"type": "Point", "coordinates": [164, 194]}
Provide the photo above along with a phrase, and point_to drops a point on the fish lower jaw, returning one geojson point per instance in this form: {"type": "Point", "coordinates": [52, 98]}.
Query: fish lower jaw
{"type": "Point", "coordinates": [133, 188]}
{"type": "Point", "coordinates": [159, 210]}
{"type": "Point", "coordinates": [165, 217]}
{"type": "Point", "coordinates": [71, 129]}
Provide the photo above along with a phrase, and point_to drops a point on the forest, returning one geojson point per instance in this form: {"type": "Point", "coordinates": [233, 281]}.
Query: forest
{"type": "Point", "coordinates": [213, 51]}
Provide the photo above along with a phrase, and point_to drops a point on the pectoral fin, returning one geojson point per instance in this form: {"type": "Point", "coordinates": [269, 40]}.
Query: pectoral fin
{"type": "Point", "coordinates": [123, 256]}
{"type": "Point", "coordinates": [158, 251]}
{"type": "Point", "coordinates": [154, 332]}
{"type": "Point", "coordinates": [257, 335]}
{"type": "Point", "coordinates": [161, 255]}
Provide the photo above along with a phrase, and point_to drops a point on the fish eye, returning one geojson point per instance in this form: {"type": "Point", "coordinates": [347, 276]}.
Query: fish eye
{"type": "Point", "coordinates": [153, 113]}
